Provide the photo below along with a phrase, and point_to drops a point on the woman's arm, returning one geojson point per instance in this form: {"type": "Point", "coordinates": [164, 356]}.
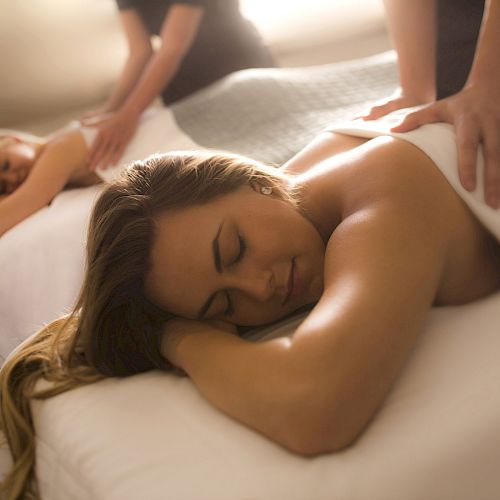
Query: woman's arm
{"type": "Point", "coordinates": [177, 34]}
{"type": "Point", "coordinates": [139, 53]}
{"type": "Point", "coordinates": [316, 391]}
{"type": "Point", "coordinates": [474, 111]}
{"type": "Point", "coordinates": [412, 27]}
{"type": "Point", "coordinates": [60, 158]}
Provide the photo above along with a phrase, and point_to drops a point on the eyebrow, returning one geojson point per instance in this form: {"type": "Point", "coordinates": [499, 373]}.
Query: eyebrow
{"type": "Point", "coordinates": [218, 268]}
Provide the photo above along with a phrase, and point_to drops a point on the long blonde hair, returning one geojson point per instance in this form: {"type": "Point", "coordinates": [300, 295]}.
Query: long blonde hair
{"type": "Point", "coordinates": [113, 329]}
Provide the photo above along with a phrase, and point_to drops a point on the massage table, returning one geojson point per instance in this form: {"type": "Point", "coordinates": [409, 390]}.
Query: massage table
{"type": "Point", "coordinates": [153, 436]}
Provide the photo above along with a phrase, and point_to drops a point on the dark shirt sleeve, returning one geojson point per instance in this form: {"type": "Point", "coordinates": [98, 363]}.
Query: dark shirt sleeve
{"type": "Point", "coordinates": [198, 3]}
{"type": "Point", "coordinates": [132, 4]}
{"type": "Point", "coordinates": [125, 4]}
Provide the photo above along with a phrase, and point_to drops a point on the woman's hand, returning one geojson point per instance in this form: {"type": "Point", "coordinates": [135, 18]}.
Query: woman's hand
{"type": "Point", "coordinates": [398, 100]}
{"type": "Point", "coordinates": [177, 329]}
{"type": "Point", "coordinates": [475, 114]}
{"type": "Point", "coordinates": [92, 114]}
{"type": "Point", "coordinates": [115, 131]}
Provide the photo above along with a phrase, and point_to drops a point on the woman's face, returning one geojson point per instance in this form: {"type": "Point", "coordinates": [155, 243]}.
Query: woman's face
{"type": "Point", "coordinates": [16, 160]}
{"type": "Point", "coordinates": [245, 258]}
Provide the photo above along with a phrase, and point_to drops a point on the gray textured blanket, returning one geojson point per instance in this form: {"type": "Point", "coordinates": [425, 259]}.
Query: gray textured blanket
{"type": "Point", "coordinates": [270, 114]}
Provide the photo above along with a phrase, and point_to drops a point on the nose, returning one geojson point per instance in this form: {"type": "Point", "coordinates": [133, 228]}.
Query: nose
{"type": "Point", "coordinates": [259, 285]}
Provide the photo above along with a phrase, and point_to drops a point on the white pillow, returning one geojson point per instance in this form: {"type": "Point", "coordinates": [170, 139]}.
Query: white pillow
{"type": "Point", "coordinates": [152, 436]}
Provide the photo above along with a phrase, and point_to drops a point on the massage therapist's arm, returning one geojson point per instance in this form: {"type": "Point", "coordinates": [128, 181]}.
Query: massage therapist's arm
{"type": "Point", "coordinates": [412, 27]}
{"type": "Point", "coordinates": [177, 35]}
{"type": "Point", "coordinates": [60, 158]}
{"type": "Point", "coordinates": [474, 111]}
{"type": "Point", "coordinates": [140, 52]}
{"type": "Point", "coordinates": [316, 391]}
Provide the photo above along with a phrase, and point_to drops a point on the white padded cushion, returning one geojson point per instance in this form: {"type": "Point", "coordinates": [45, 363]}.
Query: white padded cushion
{"type": "Point", "coordinates": [153, 436]}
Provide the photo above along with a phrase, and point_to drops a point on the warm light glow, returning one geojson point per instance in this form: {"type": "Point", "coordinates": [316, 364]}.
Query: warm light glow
{"type": "Point", "coordinates": [270, 15]}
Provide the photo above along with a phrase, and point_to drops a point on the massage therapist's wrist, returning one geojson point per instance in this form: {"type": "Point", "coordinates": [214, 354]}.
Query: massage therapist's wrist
{"type": "Point", "coordinates": [129, 112]}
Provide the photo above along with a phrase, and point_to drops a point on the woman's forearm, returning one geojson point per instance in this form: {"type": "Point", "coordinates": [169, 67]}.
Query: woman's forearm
{"type": "Point", "coordinates": [177, 36]}
{"type": "Point", "coordinates": [412, 27]}
{"type": "Point", "coordinates": [130, 75]}
{"type": "Point", "coordinates": [157, 74]}
{"type": "Point", "coordinates": [257, 384]}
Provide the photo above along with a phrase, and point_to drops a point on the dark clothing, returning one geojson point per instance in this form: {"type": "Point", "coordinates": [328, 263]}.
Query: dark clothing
{"type": "Point", "coordinates": [225, 42]}
{"type": "Point", "coordinates": [458, 25]}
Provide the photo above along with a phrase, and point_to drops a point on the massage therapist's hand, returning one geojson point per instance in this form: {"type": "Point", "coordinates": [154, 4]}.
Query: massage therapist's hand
{"type": "Point", "coordinates": [178, 329]}
{"type": "Point", "coordinates": [92, 114]}
{"type": "Point", "coordinates": [475, 114]}
{"type": "Point", "coordinates": [115, 130]}
{"type": "Point", "coordinates": [398, 100]}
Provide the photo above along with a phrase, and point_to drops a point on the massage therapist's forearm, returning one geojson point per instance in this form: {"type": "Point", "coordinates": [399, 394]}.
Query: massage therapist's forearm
{"type": "Point", "coordinates": [157, 74]}
{"type": "Point", "coordinates": [412, 27]}
{"type": "Point", "coordinates": [177, 35]}
{"type": "Point", "coordinates": [130, 75]}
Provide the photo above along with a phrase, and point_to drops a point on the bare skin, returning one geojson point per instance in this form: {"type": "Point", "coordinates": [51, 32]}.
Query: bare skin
{"type": "Point", "coordinates": [144, 76]}
{"type": "Point", "coordinates": [32, 173]}
{"type": "Point", "coordinates": [397, 241]}
{"type": "Point", "coordinates": [474, 111]}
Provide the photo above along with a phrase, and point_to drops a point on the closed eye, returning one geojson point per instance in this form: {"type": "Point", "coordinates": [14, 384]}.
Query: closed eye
{"type": "Point", "coordinates": [241, 253]}
{"type": "Point", "coordinates": [5, 166]}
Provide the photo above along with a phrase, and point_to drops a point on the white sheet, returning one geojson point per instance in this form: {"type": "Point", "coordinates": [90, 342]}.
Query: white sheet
{"type": "Point", "coordinates": [152, 436]}
{"type": "Point", "coordinates": [41, 262]}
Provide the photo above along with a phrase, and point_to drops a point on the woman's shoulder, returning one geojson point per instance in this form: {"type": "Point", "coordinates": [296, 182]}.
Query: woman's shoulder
{"type": "Point", "coordinates": [381, 171]}
{"type": "Point", "coordinates": [392, 191]}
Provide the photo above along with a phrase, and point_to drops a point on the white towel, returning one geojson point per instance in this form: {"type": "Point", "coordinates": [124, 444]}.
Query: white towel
{"type": "Point", "coordinates": [157, 132]}
{"type": "Point", "coordinates": [438, 141]}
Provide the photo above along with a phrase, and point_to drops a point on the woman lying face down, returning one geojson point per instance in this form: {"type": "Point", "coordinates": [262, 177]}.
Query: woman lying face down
{"type": "Point", "coordinates": [33, 170]}
{"type": "Point", "coordinates": [187, 245]}
{"type": "Point", "coordinates": [16, 161]}
{"type": "Point", "coordinates": [249, 257]}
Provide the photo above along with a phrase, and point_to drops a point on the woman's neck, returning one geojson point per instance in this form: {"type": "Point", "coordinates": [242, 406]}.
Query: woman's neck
{"type": "Point", "coordinates": [321, 201]}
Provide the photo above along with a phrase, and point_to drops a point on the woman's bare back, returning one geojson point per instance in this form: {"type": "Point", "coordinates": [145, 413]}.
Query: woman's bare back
{"type": "Point", "coordinates": [379, 169]}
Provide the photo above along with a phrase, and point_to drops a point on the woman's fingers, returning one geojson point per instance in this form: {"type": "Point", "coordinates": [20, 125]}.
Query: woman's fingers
{"type": "Point", "coordinates": [118, 152]}
{"type": "Point", "coordinates": [107, 155]}
{"type": "Point", "coordinates": [468, 139]}
{"type": "Point", "coordinates": [383, 109]}
{"type": "Point", "coordinates": [102, 149]}
{"type": "Point", "coordinates": [95, 152]}
{"type": "Point", "coordinates": [376, 112]}
{"type": "Point", "coordinates": [430, 114]}
{"type": "Point", "coordinates": [491, 150]}
{"type": "Point", "coordinates": [398, 100]}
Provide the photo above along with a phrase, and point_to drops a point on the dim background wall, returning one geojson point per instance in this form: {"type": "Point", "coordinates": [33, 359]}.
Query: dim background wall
{"type": "Point", "coordinates": [61, 57]}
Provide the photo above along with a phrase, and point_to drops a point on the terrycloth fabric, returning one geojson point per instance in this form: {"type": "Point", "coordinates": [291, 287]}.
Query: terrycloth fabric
{"type": "Point", "coordinates": [272, 113]}
{"type": "Point", "coordinates": [438, 142]}
{"type": "Point", "coordinates": [157, 132]}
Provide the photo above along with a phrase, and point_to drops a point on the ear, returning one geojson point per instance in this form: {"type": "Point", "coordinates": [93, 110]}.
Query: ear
{"type": "Point", "coordinates": [255, 186]}
{"type": "Point", "coordinates": [261, 188]}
